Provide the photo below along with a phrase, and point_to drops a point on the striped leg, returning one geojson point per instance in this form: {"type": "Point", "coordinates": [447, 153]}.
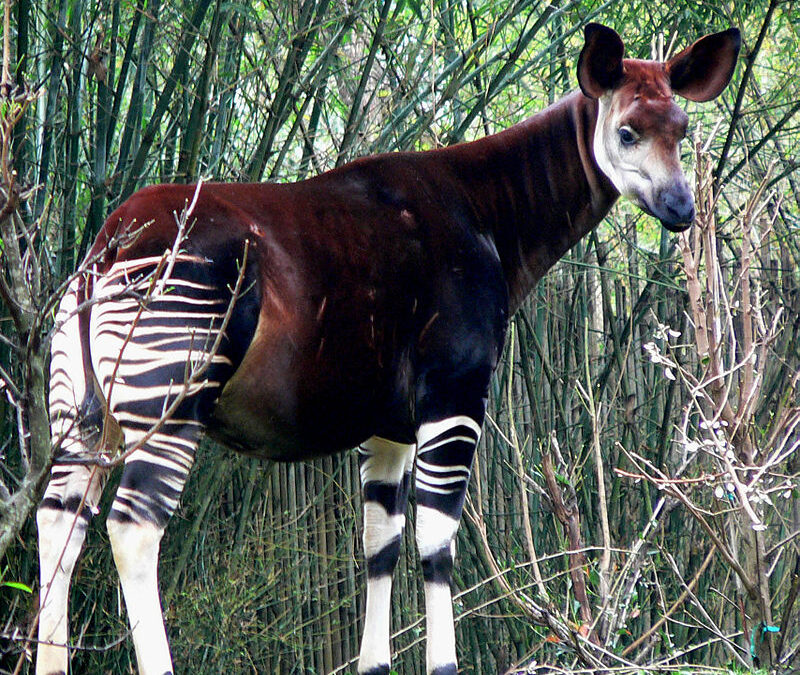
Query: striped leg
{"type": "Point", "coordinates": [173, 334]}
{"type": "Point", "coordinates": [444, 460]}
{"type": "Point", "coordinates": [385, 480]}
{"type": "Point", "coordinates": [148, 494]}
{"type": "Point", "coordinates": [71, 496]}
{"type": "Point", "coordinates": [62, 519]}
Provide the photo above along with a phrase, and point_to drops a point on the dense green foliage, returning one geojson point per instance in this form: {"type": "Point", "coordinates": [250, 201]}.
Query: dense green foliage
{"type": "Point", "coordinates": [261, 568]}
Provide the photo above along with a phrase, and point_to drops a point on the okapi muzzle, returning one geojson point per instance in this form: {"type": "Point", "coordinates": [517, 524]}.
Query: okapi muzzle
{"type": "Point", "coordinates": [639, 126]}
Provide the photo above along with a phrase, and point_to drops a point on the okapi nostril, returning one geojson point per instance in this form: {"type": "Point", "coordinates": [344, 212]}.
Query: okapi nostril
{"type": "Point", "coordinates": [679, 206]}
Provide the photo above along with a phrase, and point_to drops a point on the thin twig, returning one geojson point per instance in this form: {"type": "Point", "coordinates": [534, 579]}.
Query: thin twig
{"type": "Point", "coordinates": [681, 599]}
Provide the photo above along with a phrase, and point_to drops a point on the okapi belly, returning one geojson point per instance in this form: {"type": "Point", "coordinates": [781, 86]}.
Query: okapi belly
{"type": "Point", "coordinates": [271, 435]}
{"type": "Point", "coordinates": [284, 422]}
{"type": "Point", "coordinates": [302, 390]}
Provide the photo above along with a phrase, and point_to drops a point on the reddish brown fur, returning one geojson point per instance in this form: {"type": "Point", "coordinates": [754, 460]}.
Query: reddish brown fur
{"type": "Point", "coordinates": [650, 108]}
{"type": "Point", "coordinates": [376, 274]}
{"type": "Point", "coordinates": [376, 303]}
{"type": "Point", "coordinates": [352, 264]}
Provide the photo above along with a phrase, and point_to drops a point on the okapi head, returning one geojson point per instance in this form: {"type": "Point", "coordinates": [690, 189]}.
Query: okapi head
{"type": "Point", "coordinates": [639, 126]}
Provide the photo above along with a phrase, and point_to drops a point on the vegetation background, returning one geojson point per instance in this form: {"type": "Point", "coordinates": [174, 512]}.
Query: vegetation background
{"type": "Point", "coordinates": [635, 500]}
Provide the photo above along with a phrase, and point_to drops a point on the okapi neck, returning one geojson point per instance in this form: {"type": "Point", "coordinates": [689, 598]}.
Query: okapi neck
{"type": "Point", "coordinates": [538, 189]}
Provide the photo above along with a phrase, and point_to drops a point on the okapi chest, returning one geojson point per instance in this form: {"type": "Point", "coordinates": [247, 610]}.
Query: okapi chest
{"type": "Point", "coordinates": [365, 307]}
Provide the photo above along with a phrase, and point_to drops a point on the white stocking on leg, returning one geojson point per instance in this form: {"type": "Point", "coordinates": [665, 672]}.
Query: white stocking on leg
{"type": "Point", "coordinates": [385, 479]}
{"type": "Point", "coordinates": [135, 546]}
{"type": "Point", "coordinates": [62, 520]}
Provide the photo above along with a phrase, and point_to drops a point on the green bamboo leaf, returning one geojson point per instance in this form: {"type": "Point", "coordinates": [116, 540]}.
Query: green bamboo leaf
{"type": "Point", "coordinates": [18, 585]}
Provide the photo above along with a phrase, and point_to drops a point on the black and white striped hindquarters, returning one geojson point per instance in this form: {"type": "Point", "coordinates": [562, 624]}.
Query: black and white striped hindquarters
{"type": "Point", "coordinates": [67, 381]}
{"type": "Point", "coordinates": [161, 362]}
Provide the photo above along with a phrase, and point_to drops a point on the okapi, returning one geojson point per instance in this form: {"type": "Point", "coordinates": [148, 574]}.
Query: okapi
{"type": "Point", "coordinates": [370, 312]}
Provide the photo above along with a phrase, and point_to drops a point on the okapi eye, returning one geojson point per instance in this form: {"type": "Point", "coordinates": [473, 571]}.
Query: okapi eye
{"type": "Point", "coordinates": [627, 136]}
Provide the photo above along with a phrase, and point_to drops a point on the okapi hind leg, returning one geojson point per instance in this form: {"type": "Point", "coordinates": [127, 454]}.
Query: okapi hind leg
{"type": "Point", "coordinates": [144, 359]}
{"type": "Point", "coordinates": [135, 527]}
{"type": "Point", "coordinates": [150, 487]}
{"type": "Point", "coordinates": [73, 492]}
{"type": "Point", "coordinates": [385, 480]}
{"type": "Point", "coordinates": [444, 461]}
{"type": "Point", "coordinates": [62, 519]}
{"type": "Point", "coordinates": [135, 533]}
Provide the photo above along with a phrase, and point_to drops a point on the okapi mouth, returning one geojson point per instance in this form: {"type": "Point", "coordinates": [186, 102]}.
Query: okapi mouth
{"type": "Point", "coordinates": [675, 208]}
{"type": "Point", "coordinates": [673, 219]}
{"type": "Point", "coordinates": [677, 227]}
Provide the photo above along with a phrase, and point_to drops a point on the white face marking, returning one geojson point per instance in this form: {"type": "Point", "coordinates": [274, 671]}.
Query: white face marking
{"type": "Point", "coordinates": [642, 168]}
{"type": "Point", "coordinates": [631, 168]}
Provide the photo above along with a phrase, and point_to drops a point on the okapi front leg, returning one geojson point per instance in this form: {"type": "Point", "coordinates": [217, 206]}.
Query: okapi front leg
{"type": "Point", "coordinates": [385, 480]}
{"type": "Point", "coordinates": [444, 460]}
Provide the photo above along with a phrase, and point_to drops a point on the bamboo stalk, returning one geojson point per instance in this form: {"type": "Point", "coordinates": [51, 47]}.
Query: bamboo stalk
{"type": "Point", "coordinates": [357, 116]}
{"type": "Point", "coordinates": [128, 143]}
{"type": "Point", "coordinates": [190, 32]}
{"type": "Point", "coordinates": [295, 58]}
{"type": "Point", "coordinates": [194, 130]}
{"type": "Point", "coordinates": [515, 446]}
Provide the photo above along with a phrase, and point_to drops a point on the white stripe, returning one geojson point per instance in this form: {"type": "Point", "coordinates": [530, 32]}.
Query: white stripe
{"type": "Point", "coordinates": [436, 481]}
{"type": "Point", "coordinates": [118, 318]}
{"type": "Point", "coordinates": [156, 345]}
{"type": "Point", "coordinates": [435, 468]}
{"type": "Point", "coordinates": [184, 466]}
{"type": "Point", "coordinates": [437, 490]}
{"type": "Point", "coordinates": [126, 394]}
{"type": "Point", "coordinates": [386, 461]}
{"type": "Point", "coordinates": [433, 446]}
{"type": "Point", "coordinates": [120, 332]}
{"type": "Point", "coordinates": [434, 530]}
{"type": "Point", "coordinates": [141, 366]}
{"type": "Point", "coordinates": [379, 527]}
{"type": "Point", "coordinates": [138, 263]}
{"type": "Point", "coordinates": [142, 419]}
{"type": "Point", "coordinates": [159, 439]}
{"type": "Point", "coordinates": [431, 430]}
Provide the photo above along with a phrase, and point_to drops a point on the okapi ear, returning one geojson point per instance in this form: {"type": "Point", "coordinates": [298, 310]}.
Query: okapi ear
{"type": "Point", "coordinates": [600, 62]}
{"type": "Point", "coordinates": [700, 72]}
